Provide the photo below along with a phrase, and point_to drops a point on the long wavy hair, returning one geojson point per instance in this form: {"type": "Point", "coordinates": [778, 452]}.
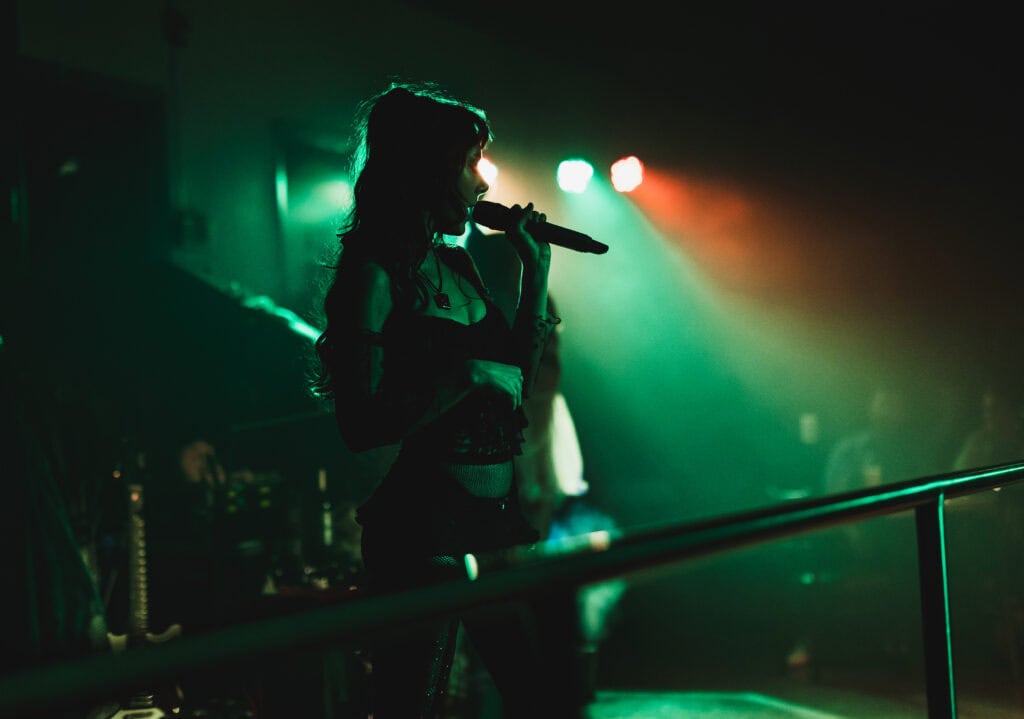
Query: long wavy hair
{"type": "Point", "coordinates": [411, 144]}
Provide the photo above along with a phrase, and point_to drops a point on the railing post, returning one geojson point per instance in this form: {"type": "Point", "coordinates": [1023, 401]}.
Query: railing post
{"type": "Point", "coordinates": [938, 655]}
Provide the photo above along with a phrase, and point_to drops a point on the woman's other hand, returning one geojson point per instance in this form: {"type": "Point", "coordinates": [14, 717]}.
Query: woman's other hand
{"type": "Point", "coordinates": [505, 378]}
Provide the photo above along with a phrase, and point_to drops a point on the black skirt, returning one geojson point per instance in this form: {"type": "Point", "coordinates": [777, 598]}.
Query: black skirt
{"type": "Point", "coordinates": [420, 523]}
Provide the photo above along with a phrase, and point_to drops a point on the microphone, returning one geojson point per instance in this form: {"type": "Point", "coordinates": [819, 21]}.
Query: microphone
{"type": "Point", "coordinates": [499, 217]}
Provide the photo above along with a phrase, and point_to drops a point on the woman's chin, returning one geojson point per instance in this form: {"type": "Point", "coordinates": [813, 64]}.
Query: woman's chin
{"type": "Point", "coordinates": [455, 229]}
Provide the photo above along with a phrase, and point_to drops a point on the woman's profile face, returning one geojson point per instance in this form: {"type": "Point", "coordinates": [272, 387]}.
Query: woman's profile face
{"type": "Point", "coordinates": [468, 187]}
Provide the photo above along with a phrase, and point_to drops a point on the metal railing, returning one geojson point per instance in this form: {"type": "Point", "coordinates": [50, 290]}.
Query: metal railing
{"type": "Point", "coordinates": [552, 572]}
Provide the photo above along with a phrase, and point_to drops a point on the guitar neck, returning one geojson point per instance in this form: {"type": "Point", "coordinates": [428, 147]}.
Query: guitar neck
{"type": "Point", "coordinates": [143, 703]}
{"type": "Point", "coordinates": [138, 595]}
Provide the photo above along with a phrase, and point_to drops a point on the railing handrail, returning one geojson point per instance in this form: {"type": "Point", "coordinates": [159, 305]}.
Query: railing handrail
{"type": "Point", "coordinates": [513, 576]}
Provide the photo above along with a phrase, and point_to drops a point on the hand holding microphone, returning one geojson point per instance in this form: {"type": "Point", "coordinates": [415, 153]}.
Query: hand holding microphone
{"type": "Point", "coordinates": [499, 217]}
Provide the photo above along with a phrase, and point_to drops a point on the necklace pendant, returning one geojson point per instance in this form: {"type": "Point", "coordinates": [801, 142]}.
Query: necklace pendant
{"type": "Point", "coordinates": [442, 301]}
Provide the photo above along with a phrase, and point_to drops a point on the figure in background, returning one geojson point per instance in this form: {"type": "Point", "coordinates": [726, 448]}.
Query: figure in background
{"type": "Point", "coordinates": [999, 438]}
{"type": "Point", "coordinates": [552, 485]}
{"type": "Point", "coordinates": [550, 467]}
{"type": "Point", "coordinates": [985, 533]}
{"type": "Point", "coordinates": [207, 562]}
{"type": "Point", "coordinates": [863, 568]}
{"type": "Point", "coordinates": [555, 493]}
{"type": "Point", "coordinates": [416, 352]}
{"type": "Point", "coordinates": [232, 544]}
{"type": "Point", "coordinates": [885, 450]}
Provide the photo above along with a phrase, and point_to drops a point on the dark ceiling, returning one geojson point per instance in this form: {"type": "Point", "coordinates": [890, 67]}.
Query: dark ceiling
{"type": "Point", "coordinates": [936, 81]}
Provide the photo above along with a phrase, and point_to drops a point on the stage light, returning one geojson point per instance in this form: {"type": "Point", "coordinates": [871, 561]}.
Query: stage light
{"type": "Point", "coordinates": [627, 173]}
{"type": "Point", "coordinates": [574, 175]}
{"type": "Point", "coordinates": [488, 170]}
